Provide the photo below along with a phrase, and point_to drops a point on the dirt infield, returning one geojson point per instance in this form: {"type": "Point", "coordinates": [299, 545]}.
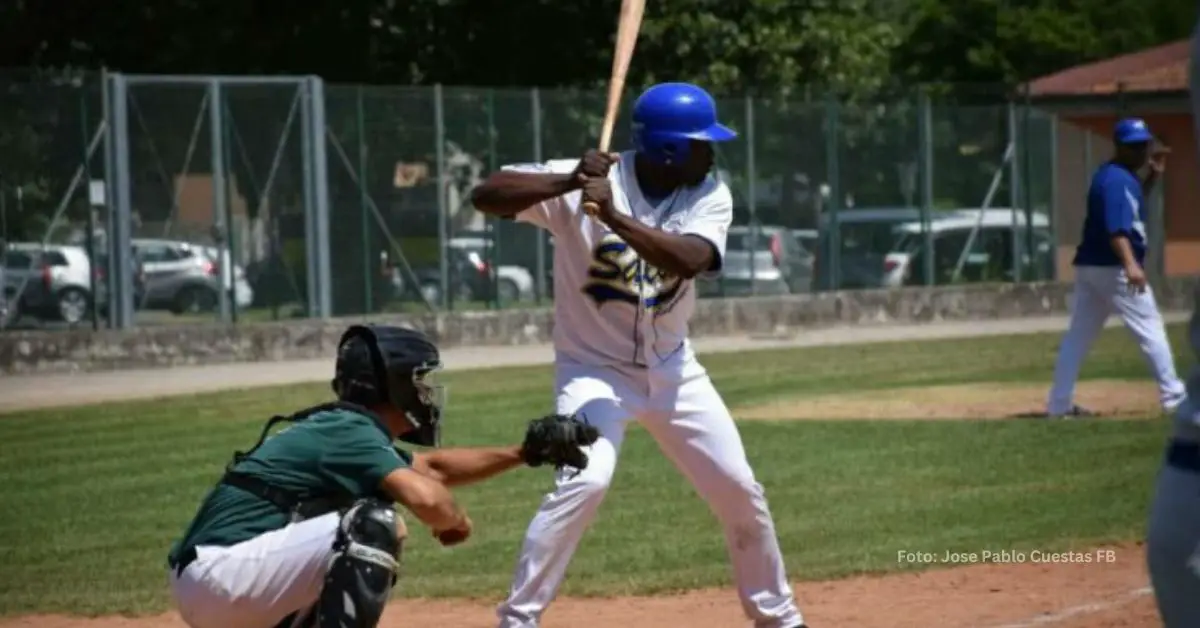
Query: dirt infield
{"type": "Point", "coordinates": [1023, 591]}
{"type": "Point", "coordinates": [1110, 398]}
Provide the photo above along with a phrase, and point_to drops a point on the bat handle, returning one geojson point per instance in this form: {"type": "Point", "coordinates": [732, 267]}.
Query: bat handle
{"type": "Point", "coordinates": [591, 208]}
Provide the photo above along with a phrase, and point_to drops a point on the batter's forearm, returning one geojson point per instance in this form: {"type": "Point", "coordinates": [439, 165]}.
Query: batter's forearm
{"type": "Point", "coordinates": [1124, 251]}
{"type": "Point", "coordinates": [681, 255]}
{"type": "Point", "coordinates": [506, 193]}
{"type": "Point", "coordinates": [456, 467]}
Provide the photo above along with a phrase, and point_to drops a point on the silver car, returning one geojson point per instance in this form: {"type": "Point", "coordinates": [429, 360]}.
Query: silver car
{"type": "Point", "coordinates": [761, 261]}
{"type": "Point", "coordinates": [185, 278]}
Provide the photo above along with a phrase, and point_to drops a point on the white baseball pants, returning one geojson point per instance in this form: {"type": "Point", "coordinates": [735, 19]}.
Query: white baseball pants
{"type": "Point", "coordinates": [681, 410]}
{"type": "Point", "coordinates": [1099, 291]}
{"type": "Point", "coordinates": [257, 583]}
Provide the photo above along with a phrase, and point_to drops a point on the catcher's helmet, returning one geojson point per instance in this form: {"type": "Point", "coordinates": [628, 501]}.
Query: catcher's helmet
{"type": "Point", "coordinates": [668, 116]}
{"type": "Point", "coordinates": [382, 364]}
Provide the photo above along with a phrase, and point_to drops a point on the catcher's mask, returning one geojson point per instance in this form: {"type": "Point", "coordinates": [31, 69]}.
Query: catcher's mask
{"type": "Point", "coordinates": [382, 364]}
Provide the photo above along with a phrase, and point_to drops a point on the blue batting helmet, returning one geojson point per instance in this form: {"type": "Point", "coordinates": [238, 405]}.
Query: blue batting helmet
{"type": "Point", "coordinates": [668, 115]}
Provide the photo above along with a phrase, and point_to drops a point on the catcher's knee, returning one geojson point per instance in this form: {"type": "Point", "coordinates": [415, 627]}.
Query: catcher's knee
{"type": "Point", "coordinates": [364, 568]}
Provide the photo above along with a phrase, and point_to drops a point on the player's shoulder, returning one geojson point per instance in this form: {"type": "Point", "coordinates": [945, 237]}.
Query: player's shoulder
{"type": "Point", "coordinates": [1110, 174]}
{"type": "Point", "coordinates": [352, 424]}
{"type": "Point", "coordinates": [553, 166]}
{"type": "Point", "coordinates": [714, 193]}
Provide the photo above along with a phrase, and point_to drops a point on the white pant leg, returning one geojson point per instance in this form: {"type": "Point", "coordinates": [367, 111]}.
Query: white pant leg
{"type": "Point", "coordinates": [1143, 320]}
{"type": "Point", "coordinates": [1089, 310]}
{"type": "Point", "coordinates": [257, 583]}
{"type": "Point", "coordinates": [701, 438]}
{"type": "Point", "coordinates": [608, 402]}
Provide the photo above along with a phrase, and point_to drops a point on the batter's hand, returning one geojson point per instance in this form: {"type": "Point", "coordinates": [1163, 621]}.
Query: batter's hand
{"type": "Point", "coordinates": [598, 190]}
{"type": "Point", "coordinates": [594, 164]}
{"type": "Point", "coordinates": [1136, 278]}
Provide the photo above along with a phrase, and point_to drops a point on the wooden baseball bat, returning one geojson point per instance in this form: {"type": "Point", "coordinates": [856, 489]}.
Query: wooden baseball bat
{"type": "Point", "coordinates": [628, 26]}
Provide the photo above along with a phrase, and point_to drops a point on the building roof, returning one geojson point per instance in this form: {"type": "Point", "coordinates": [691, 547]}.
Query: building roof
{"type": "Point", "coordinates": [1159, 69]}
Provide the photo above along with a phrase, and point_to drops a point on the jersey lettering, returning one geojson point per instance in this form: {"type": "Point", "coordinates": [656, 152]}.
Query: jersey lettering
{"type": "Point", "coordinates": [617, 273]}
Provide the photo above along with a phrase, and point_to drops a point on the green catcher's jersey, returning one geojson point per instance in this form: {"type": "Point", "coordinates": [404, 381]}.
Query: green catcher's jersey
{"type": "Point", "coordinates": [332, 451]}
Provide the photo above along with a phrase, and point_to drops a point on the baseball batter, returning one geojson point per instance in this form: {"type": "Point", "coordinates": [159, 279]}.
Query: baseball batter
{"type": "Point", "coordinates": [301, 532]}
{"type": "Point", "coordinates": [1110, 275]}
{"type": "Point", "coordinates": [623, 285]}
{"type": "Point", "coordinates": [1173, 537]}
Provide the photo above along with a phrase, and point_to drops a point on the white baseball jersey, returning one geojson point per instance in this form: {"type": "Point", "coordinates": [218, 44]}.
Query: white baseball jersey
{"type": "Point", "coordinates": [610, 307]}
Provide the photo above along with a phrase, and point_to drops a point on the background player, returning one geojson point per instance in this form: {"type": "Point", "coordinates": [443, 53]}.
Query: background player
{"type": "Point", "coordinates": [1110, 275]}
{"type": "Point", "coordinates": [623, 285]}
{"type": "Point", "coordinates": [1173, 536]}
{"type": "Point", "coordinates": [301, 531]}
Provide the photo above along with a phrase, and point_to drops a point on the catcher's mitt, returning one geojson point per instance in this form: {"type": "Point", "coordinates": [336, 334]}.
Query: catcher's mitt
{"type": "Point", "coordinates": [558, 439]}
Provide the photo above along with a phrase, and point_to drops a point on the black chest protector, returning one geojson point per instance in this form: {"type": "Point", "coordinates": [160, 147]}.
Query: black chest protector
{"type": "Point", "coordinates": [298, 505]}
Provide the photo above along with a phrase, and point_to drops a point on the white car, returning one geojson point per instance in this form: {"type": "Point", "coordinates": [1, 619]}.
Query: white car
{"type": "Point", "coordinates": [991, 248]}
{"type": "Point", "coordinates": [49, 282]}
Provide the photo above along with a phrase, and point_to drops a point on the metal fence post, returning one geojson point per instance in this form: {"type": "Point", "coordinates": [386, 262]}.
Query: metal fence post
{"type": "Point", "coordinates": [439, 125]}
{"type": "Point", "coordinates": [492, 225]}
{"type": "Point", "coordinates": [925, 125]}
{"type": "Point", "coordinates": [1052, 209]}
{"type": "Point", "coordinates": [219, 183]}
{"type": "Point", "coordinates": [1014, 189]}
{"type": "Point", "coordinates": [121, 212]}
{"type": "Point", "coordinates": [110, 189]}
{"type": "Point", "coordinates": [363, 212]}
{"type": "Point", "coordinates": [1031, 249]}
{"type": "Point", "coordinates": [752, 194]}
{"type": "Point", "coordinates": [306, 160]}
{"type": "Point", "coordinates": [230, 236]}
{"type": "Point", "coordinates": [90, 239]}
{"type": "Point", "coordinates": [832, 148]}
{"type": "Point", "coordinates": [320, 170]}
{"type": "Point", "coordinates": [535, 106]}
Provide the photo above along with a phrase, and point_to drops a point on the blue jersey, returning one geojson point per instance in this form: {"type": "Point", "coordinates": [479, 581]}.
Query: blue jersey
{"type": "Point", "coordinates": [1114, 206]}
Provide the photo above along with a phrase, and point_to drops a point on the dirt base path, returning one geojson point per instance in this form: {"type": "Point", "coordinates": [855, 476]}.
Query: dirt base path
{"type": "Point", "coordinates": [1027, 593]}
{"type": "Point", "coordinates": [991, 400]}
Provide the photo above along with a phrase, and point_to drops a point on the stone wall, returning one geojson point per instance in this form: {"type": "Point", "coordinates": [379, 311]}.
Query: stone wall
{"type": "Point", "coordinates": [171, 345]}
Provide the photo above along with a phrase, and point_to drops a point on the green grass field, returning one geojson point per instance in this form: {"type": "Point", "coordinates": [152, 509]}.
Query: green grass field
{"type": "Point", "coordinates": [95, 495]}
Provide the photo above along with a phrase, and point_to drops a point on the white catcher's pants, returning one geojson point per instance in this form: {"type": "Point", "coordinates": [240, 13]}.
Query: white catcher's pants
{"type": "Point", "coordinates": [1099, 291]}
{"type": "Point", "coordinates": [681, 409]}
{"type": "Point", "coordinates": [257, 583]}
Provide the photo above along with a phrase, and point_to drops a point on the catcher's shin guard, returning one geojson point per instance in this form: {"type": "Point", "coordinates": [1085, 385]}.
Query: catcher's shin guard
{"type": "Point", "coordinates": [363, 570]}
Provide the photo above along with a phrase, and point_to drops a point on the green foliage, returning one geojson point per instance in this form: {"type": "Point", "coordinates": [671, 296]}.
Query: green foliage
{"type": "Point", "coordinates": [978, 42]}
{"type": "Point", "coordinates": [790, 54]}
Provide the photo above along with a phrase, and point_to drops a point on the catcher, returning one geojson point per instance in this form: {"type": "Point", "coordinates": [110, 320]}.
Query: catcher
{"type": "Point", "coordinates": [301, 531]}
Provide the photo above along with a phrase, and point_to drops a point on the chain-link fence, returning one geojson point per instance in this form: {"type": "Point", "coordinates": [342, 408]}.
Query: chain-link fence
{"type": "Point", "coordinates": [257, 199]}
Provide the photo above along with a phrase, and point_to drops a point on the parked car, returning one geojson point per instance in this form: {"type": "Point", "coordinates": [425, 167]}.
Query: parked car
{"type": "Point", "coordinates": [513, 283]}
{"type": "Point", "coordinates": [49, 282]}
{"type": "Point", "coordinates": [865, 237]}
{"type": "Point", "coordinates": [243, 293]}
{"type": "Point", "coordinates": [989, 258]}
{"type": "Point", "coordinates": [470, 279]}
{"type": "Point", "coordinates": [184, 278]}
{"type": "Point", "coordinates": [103, 267]}
{"type": "Point", "coordinates": [767, 260]}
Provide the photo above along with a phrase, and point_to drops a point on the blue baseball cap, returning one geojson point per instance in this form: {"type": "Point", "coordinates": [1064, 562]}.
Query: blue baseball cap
{"type": "Point", "coordinates": [1132, 131]}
